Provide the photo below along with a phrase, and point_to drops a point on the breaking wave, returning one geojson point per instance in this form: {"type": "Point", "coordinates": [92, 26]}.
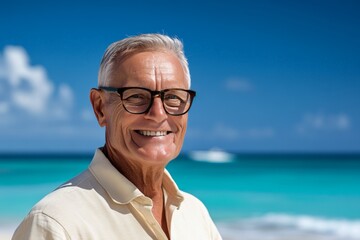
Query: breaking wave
{"type": "Point", "coordinates": [290, 227]}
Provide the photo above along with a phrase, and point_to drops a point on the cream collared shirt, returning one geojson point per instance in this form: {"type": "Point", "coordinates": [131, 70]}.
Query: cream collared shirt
{"type": "Point", "coordinates": [101, 203]}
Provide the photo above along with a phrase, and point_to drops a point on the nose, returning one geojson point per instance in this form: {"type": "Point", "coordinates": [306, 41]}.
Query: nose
{"type": "Point", "coordinates": [156, 112]}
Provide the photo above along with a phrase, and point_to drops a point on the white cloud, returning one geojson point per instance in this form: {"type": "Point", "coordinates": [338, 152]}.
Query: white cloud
{"type": "Point", "coordinates": [27, 89]}
{"type": "Point", "coordinates": [239, 85]}
{"type": "Point", "coordinates": [323, 122]}
{"type": "Point", "coordinates": [222, 131]}
{"type": "Point", "coordinates": [225, 132]}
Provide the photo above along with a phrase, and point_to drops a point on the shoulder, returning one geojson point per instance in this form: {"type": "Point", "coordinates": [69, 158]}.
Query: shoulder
{"type": "Point", "coordinates": [58, 211]}
{"type": "Point", "coordinates": [194, 205]}
{"type": "Point", "coordinates": [65, 202]}
{"type": "Point", "coordinates": [39, 226]}
{"type": "Point", "coordinates": [66, 194]}
{"type": "Point", "coordinates": [194, 209]}
{"type": "Point", "coordinates": [191, 199]}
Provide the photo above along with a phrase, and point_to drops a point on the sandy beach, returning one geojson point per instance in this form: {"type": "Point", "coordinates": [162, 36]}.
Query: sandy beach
{"type": "Point", "coordinates": [5, 234]}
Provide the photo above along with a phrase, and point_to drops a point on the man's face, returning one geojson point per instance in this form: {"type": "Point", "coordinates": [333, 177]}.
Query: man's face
{"type": "Point", "coordinates": [124, 131]}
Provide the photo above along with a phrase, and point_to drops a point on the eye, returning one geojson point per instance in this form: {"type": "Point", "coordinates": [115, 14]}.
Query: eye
{"type": "Point", "coordinates": [179, 95]}
{"type": "Point", "coordinates": [172, 97]}
{"type": "Point", "coordinates": [136, 97]}
{"type": "Point", "coordinates": [173, 100]}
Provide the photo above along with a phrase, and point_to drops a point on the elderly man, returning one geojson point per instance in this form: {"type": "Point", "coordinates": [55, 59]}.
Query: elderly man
{"type": "Point", "coordinates": [142, 101]}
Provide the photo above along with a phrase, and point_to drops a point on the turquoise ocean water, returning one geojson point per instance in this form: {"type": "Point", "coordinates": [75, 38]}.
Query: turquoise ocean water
{"type": "Point", "coordinates": [250, 197]}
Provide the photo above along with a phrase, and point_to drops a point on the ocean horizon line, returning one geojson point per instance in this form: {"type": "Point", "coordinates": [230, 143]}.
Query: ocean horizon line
{"type": "Point", "coordinates": [85, 154]}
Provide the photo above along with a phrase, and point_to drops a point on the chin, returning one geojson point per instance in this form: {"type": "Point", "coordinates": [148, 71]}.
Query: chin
{"type": "Point", "coordinates": [158, 156]}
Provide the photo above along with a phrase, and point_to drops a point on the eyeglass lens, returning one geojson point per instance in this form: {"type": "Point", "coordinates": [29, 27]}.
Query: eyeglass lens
{"type": "Point", "coordinates": [175, 101]}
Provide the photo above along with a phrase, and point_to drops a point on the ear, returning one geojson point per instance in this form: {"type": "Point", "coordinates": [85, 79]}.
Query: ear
{"type": "Point", "coordinates": [97, 101]}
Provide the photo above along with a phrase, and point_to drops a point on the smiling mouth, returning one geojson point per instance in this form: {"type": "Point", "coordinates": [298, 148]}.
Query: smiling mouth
{"type": "Point", "coordinates": [152, 133]}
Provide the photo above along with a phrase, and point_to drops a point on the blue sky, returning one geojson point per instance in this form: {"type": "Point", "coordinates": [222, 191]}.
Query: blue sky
{"type": "Point", "coordinates": [271, 76]}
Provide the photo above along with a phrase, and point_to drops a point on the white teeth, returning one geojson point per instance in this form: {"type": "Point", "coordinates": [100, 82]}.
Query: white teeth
{"type": "Point", "coordinates": [152, 133]}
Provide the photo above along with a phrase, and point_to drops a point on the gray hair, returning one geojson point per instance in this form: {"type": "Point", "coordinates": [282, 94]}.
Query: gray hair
{"type": "Point", "coordinates": [120, 50]}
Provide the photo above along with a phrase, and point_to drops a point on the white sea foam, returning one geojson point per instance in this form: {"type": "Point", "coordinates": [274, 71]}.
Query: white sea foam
{"type": "Point", "coordinates": [212, 156]}
{"type": "Point", "coordinates": [290, 227]}
{"type": "Point", "coordinates": [6, 232]}
{"type": "Point", "coordinates": [273, 227]}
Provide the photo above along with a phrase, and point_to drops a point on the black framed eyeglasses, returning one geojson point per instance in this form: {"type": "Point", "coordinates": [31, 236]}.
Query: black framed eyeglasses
{"type": "Point", "coordinates": [138, 100]}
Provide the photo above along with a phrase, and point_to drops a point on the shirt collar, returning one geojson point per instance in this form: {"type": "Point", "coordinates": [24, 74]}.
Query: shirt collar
{"type": "Point", "coordinates": [119, 188]}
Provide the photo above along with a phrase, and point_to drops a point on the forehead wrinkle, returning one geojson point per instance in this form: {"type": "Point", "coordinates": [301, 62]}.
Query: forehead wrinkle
{"type": "Point", "coordinates": [152, 71]}
{"type": "Point", "coordinates": [148, 71]}
{"type": "Point", "coordinates": [158, 78]}
{"type": "Point", "coordinates": [141, 76]}
{"type": "Point", "coordinates": [165, 70]}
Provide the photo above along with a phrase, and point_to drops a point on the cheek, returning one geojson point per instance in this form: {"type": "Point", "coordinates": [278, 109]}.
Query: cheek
{"type": "Point", "coordinates": [116, 121]}
{"type": "Point", "coordinates": [182, 125]}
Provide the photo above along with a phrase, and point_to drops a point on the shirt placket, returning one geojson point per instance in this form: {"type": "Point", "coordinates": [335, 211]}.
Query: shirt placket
{"type": "Point", "coordinates": [143, 206]}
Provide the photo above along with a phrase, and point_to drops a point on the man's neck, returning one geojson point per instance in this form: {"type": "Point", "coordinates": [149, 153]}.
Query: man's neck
{"type": "Point", "coordinates": [148, 180]}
